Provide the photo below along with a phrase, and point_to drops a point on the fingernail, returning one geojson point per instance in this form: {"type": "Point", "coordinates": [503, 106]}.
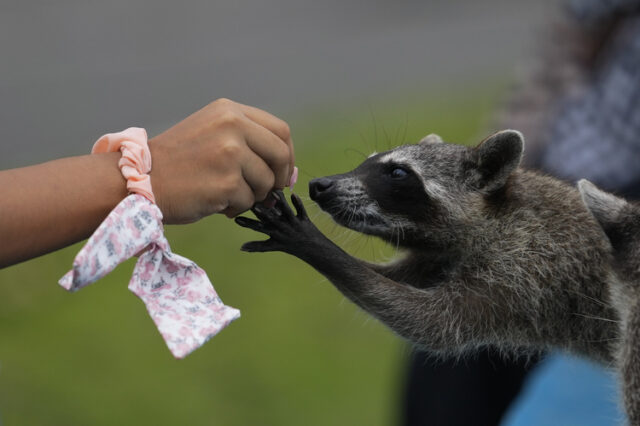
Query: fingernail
{"type": "Point", "coordinates": [294, 177]}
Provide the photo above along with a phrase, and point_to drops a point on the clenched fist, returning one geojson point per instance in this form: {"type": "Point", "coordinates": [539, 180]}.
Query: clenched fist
{"type": "Point", "coordinates": [222, 159]}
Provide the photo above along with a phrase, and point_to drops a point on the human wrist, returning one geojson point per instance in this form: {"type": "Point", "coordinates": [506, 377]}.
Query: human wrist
{"type": "Point", "coordinates": [160, 154]}
{"type": "Point", "coordinates": [113, 186]}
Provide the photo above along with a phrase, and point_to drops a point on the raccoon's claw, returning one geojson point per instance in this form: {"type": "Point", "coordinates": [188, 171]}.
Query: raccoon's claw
{"type": "Point", "coordinates": [245, 222]}
{"type": "Point", "coordinates": [286, 229]}
{"type": "Point", "coordinates": [283, 208]}
{"type": "Point", "coordinates": [300, 210]}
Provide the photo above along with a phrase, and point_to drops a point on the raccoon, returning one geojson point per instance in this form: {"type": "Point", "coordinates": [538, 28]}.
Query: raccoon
{"type": "Point", "coordinates": [620, 220]}
{"type": "Point", "coordinates": [494, 255]}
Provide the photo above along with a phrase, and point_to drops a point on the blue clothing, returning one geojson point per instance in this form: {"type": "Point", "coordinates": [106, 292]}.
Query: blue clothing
{"type": "Point", "coordinates": [567, 391]}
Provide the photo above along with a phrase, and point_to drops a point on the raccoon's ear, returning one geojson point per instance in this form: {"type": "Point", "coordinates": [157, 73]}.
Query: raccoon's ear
{"type": "Point", "coordinates": [431, 138]}
{"type": "Point", "coordinates": [605, 207]}
{"type": "Point", "coordinates": [497, 157]}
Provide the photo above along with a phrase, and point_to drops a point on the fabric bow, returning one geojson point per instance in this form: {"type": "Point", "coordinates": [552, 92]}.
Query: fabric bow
{"type": "Point", "coordinates": [177, 293]}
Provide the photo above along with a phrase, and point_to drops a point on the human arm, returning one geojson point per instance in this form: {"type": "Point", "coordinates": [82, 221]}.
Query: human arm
{"type": "Point", "coordinates": [223, 158]}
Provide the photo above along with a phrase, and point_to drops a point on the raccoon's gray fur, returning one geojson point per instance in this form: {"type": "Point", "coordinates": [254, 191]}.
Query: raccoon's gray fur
{"type": "Point", "coordinates": [620, 220]}
{"type": "Point", "coordinates": [496, 255]}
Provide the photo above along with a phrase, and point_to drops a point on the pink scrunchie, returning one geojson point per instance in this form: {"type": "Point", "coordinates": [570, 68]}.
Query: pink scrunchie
{"type": "Point", "coordinates": [135, 163]}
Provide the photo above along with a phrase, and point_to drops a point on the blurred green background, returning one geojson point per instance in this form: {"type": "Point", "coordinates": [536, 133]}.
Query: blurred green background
{"type": "Point", "coordinates": [300, 355]}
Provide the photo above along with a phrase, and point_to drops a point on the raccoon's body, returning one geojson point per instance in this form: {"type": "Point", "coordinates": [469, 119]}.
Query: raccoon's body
{"type": "Point", "coordinates": [620, 220]}
{"type": "Point", "coordinates": [496, 255]}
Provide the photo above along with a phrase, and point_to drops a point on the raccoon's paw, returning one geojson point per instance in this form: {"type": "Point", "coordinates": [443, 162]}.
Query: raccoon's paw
{"type": "Point", "coordinates": [288, 232]}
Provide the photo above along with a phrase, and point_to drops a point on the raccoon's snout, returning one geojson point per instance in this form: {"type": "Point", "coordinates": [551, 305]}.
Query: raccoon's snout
{"type": "Point", "coordinates": [321, 188]}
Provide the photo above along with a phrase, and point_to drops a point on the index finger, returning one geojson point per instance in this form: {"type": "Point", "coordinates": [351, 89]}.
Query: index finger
{"type": "Point", "coordinates": [276, 125]}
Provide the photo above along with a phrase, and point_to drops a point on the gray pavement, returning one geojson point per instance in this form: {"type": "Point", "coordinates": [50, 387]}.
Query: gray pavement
{"type": "Point", "coordinates": [74, 69]}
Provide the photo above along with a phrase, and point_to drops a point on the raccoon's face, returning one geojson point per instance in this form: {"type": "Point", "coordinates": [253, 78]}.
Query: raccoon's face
{"type": "Point", "coordinates": [412, 193]}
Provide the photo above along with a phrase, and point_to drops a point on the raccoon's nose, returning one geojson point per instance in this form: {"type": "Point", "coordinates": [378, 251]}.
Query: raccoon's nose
{"type": "Point", "coordinates": [318, 187]}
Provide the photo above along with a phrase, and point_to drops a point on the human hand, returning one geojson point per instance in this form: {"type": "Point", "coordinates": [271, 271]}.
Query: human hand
{"type": "Point", "coordinates": [222, 159]}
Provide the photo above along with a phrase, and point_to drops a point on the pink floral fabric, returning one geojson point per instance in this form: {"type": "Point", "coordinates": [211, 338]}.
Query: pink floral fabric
{"type": "Point", "coordinates": [177, 293]}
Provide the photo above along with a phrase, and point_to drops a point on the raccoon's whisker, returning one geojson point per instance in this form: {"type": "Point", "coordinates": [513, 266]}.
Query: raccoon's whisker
{"type": "Point", "coordinates": [352, 214]}
{"type": "Point", "coordinates": [398, 140]}
{"type": "Point", "coordinates": [595, 317]}
{"type": "Point", "coordinates": [365, 243]}
{"type": "Point", "coordinates": [347, 150]}
{"type": "Point", "coordinates": [348, 214]}
{"type": "Point", "coordinates": [386, 136]}
{"type": "Point", "coordinates": [345, 231]}
{"type": "Point", "coordinates": [593, 299]}
{"type": "Point", "coordinates": [400, 229]}
{"type": "Point", "coordinates": [316, 214]}
{"type": "Point", "coordinates": [613, 339]}
{"type": "Point", "coordinates": [375, 128]}
{"type": "Point", "coordinates": [396, 133]}
{"type": "Point", "coordinates": [393, 232]}
{"type": "Point", "coordinates": [406, 127]}
{"type": "Point", "coordinates": [395, 229]}
{"type": "Point", "coordinates": [364, 141]}
{"type": "Point", "coordinates": [350, 236]}
{"type": "Point", "coordinates": [307, 174]}
{"type": "Point", "coordinates": [357, 244]}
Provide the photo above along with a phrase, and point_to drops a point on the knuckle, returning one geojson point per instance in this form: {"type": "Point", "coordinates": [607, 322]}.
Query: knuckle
{"type": "Point", "coordinates": [280, 165]}
{"type": "Point", "coordinates": [223, 103]}
{"type": "Point", "coordinates": [234, 189]}
{"type": "Point", "coordinates": [222, 194]}
{"type": "Point", "coordinates": [281, 156]}
{"type": "Point", "coordinates": [269, 182]}
{"type": "Point", "coordinates": [231, 186]}
{"type": "Point", "coordinates": [230, 150]}
{"type": "Point", "coordinates": [283, 130]}
{"type": "Point", "coordinates": [241, 207]}
{"type": "Point", "coordinates": [263, 190]}
{"type": "Point", "coordinates": [229, 117]}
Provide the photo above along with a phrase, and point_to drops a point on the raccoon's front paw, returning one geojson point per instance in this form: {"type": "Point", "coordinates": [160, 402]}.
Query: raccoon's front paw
{"type": "Point", "coordinates": [288, 232]}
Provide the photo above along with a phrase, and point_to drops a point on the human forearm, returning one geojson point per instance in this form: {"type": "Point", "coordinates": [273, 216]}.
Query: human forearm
{"type": "Point", "coordinates": [51, 205]}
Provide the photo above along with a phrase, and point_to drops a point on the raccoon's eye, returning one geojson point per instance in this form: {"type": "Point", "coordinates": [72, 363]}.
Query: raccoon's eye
{"type": "Point", "coordinates": [399, 173]}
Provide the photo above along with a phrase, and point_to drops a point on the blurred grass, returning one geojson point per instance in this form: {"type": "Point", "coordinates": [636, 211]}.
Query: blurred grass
{"type": "Point", "coordinates": [300, 354]}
